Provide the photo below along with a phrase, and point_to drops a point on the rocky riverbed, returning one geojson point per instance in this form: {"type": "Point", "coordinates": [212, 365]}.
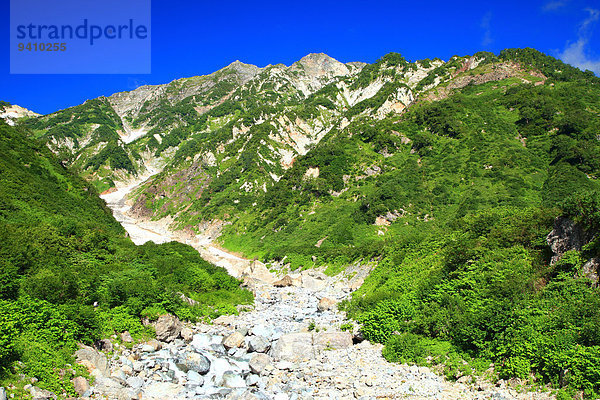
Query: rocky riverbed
{"type": "Point", "coordinates": [289, 345]}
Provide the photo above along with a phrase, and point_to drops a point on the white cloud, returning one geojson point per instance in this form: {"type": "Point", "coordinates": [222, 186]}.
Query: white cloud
{"type": "Point", "coordinates": [577, 53]}
{"type": "Point", "coordinates": [554, 5]}
{"type": "Point", "coordinates": [486, 25]}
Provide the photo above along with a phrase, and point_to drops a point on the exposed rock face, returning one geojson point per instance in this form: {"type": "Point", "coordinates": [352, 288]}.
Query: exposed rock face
{"type": "Point", "coordinates": [565, 236]}
{"type": "Point", "coordinates": [14, 112]}
{"type": "Point", "coordinates": [591, 270]}
{"type": "Point", "coordinates": [168, 328]}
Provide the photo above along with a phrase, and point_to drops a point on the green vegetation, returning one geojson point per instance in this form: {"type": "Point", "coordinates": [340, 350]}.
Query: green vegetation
{"type": "Point", "coordinates": [452, 199]}
{"type": "Point", "coordinates": [68, 274]}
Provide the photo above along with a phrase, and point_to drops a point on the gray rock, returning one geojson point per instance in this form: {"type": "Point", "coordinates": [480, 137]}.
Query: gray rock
{"type": "Point", "coordinates": [201, 341]}
{"type": "Point", "coordinates": [135, 382]}
{"type": "Point", "coordinates": [162, 391]}
{"type": "Point", "coordinates": [252, 380]}
{"type": "Point", "coordinates": [3, 395]}
{"type": "Point", "coordinates": [91, 357]}
{"type": "Point", "coordinates": [41, 394]}
{"type": "Point", "coordinates": [194, 362]}
{"type": "Point", "coordinates": [195, 378]}
{"type": "Point", "coordinates": [285, 365]}
{"type": "Point", "coordinates": [293, 347]}
{"type": "Point", "coordinates": [234, 340]}
{"type": "Point", "coordinates": [104, 345]}
{"type": "Point", "coordinates": [261, 330]}
{"type": "Point", "coordinates": [246, 395]}
{"type": "Point", "coordinates": [168, 327]}
{"type": "Point", "coordinates": [326, 304]}
{"type": "Point", "coordinates": [259, 362]}
{"type": "Point", "coordinates": [81, 385]}
{"type": "Point", "coordinates": [565, 236]}
{"type": "Point", "coordinates": [233, 380]}
{"type": "Point", "coordinates": [591, 270]}
{"type": "Point", "coordinates": [218, 348]}
{"type": "Point", "coordinates": [219, 366]}
{"type": "Point", "coordinates": [258, 344]}
{"type": "Point", "coordinates": [187, 334]}
{"type": "Point", "coordinates": [126, 337]}
{"type": "Point", "coordinates": [332, 340]}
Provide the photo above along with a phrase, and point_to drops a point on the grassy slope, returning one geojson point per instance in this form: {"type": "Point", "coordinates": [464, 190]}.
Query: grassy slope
{"type": "Point", "coordinates": [61, 251]}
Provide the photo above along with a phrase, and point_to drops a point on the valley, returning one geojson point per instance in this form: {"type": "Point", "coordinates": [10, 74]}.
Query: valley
{"type": "Point", "coordinates": [288, 345]}
{"type": "Point", "coordinates": [401, 229]}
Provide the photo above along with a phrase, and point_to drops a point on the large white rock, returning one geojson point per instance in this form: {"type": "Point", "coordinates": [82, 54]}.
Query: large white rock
{"type": "Point", "coordinates": [293, 347]}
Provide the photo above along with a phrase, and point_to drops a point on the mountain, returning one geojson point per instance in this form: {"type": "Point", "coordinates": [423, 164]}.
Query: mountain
{"type": "Point", "coordinates": [447, 178]}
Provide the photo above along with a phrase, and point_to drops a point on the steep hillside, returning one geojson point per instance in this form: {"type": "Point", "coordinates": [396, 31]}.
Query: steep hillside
{"type": "Point", "coordinates": [68, 274]}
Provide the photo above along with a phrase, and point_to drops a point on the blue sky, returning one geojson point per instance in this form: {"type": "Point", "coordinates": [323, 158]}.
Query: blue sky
{"type": "Point", "coordinates": [199, 37]}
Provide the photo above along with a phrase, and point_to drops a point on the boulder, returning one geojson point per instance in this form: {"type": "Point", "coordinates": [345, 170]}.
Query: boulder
{"type": "Point", "coordinates": [313, 283]}
{"type": "Point", "coordinates": [92, 359]}
{"type": "Point", "coordinates": [258, 344]}
{"type": "Point", "coordinates": [201, 341]}
{"type": "Point", "coordinates": [259, 362]}
{"type": "Point", "coordinates": [293, 347]}
{"type": "Point", "coordinates": [258, 271]}
{"type": "Point", "coordinates": [247, 395]}
{"type": "Point", "coordinates": [168, 327]}
{"type": "Point", "coordinates": [135, 382]}
{"type": "Point", "coordinates": [126, 337]}
{"type": "Point", "coordinates": [151, 346]}
{"type": "Point", "coordinates": [162, 391]}
{"type": "Point", "coordinates": [326, 304]}
{"type": "Point", "coordinates": [195, 378]}
{"type": "Point", "coordinates": [262, 330]}
{"type": "Point", "coordinates": [104, 345]}
{"type": "Point", "coordinates": [283, 282]}
{"type": "Point", "coordinates": [194, 362]}
{"type": "Point", "coordinates": [41, 394]}
{"type": "Point", "coordinates": [332, 340]}
{"type": "Point", "coordinates": [234, 340]}
{"type": "Point", "coordinates": [81, 385]}
{"type": "Point", "coordinates": [232, 380]}
{"type": "Point", "coordinates": [219, 366]}
{"type": "Point", "coordinates": [3, 395]}
{"type": "Point", "coordinates": [187, 334]}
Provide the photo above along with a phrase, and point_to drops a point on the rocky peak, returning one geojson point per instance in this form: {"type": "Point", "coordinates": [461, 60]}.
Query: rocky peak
{"type": "Point", "coordinates": [320, 64]}
{"type": "Point", "coordinates": [246, 71]}
{"type": "Point", "coordinates": [13, 112]}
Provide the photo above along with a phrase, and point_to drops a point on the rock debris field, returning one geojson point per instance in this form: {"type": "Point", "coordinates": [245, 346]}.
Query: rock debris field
{"type": "Point", "coordinates": [270, 353]}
